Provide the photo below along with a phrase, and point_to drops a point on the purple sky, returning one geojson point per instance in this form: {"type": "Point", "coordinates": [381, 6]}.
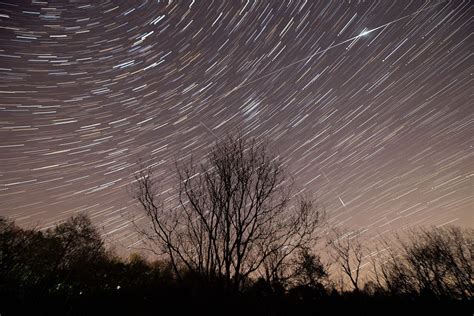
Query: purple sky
{"type": "Point", "coordinates": [378, 126]}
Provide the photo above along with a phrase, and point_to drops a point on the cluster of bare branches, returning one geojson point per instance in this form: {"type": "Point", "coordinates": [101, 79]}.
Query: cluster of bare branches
{"type": "Point", "coordinates": [237, 214]}
{"type": "Point", "coordinates": [433, 262]}
{"type": "Point", "coordinates": [347, 251]}
{"type": "Point", "coordinates": [236, 217]}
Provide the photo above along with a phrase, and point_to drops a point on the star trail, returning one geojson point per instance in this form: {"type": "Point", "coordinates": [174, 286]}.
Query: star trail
{"type": "Point", "coordinates": [367, 102]}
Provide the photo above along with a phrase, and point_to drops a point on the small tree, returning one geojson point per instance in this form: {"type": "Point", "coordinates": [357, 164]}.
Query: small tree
{"type": "Point", "coordinates": [435, 262]}
{"type": "Point", "coordinates": [75, 250]}
{"type": "Point", "coordinates": [78, 242]}
{"type": "Point", "coordinates": [50, 260]}
{"type": "Point", "coordinates": [20, 264]}
{"type": "Point", "coordinates": [347, 251]}
{"type": "Point", "coordinates": [309, 271]}
{"type": "Point", "coordinates": [236, 211]}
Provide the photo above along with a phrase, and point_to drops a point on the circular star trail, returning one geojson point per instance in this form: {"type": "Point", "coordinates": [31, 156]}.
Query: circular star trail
{"type": "Point", "coordinates": [368, 102]}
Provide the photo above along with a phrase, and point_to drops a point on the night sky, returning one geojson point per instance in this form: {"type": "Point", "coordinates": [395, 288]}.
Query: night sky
{"type": "Point", "coordinates": [367, 102]}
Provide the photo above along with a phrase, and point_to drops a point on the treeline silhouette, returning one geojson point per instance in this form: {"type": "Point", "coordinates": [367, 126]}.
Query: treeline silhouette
{"type": "Point", "coordinates": [67, 270]}
{"type": "Point", "coordinates": [234, 238]}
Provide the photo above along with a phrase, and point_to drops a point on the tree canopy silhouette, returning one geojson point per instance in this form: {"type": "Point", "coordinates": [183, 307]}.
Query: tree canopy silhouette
{"type": "Point", "coordinates": [435, 262]}
{"type": "Point", "coordinates": [237, 213]}
{"type": "Point", "coordinates": [66, 270]}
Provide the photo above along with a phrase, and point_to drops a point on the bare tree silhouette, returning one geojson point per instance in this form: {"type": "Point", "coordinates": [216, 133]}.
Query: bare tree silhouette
{"type": "Point", "coordinates": [347, 251]}
{"type": "Point", "coordinates": [432, 262]}
{"type": "Point", "coordinates": [237, 213]}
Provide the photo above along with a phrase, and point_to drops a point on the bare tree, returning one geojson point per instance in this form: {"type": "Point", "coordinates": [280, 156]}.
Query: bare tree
{"type": "Point", "coordinates": [236, 211]}
{"type": "Point", "coordinates": [436, 262]}
{"type": "Point", "coordinates": [347, 251]}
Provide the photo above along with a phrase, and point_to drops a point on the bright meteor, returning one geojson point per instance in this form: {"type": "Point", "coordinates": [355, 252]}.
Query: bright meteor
{"type": "Point", "coordinates": [364, 33]}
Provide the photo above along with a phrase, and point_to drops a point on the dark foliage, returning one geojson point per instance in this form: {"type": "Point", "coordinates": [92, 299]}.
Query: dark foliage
{"type": "Point", "coordinates": [67, 271]}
